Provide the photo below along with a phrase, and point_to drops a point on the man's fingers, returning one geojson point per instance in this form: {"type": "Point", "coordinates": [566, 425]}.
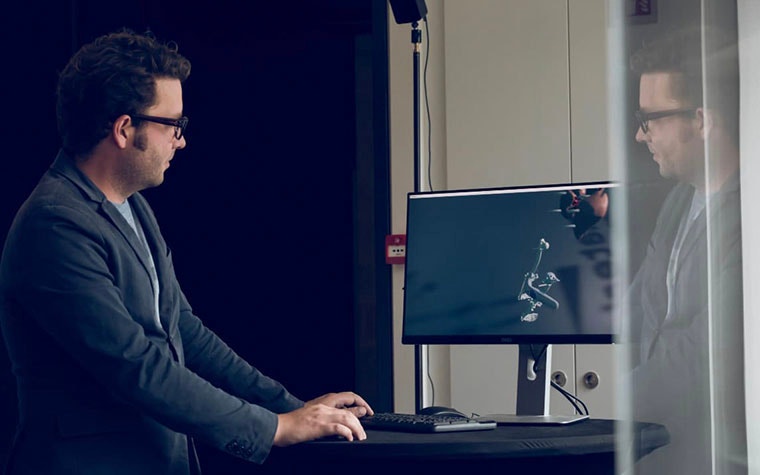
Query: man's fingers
{"type": "Point", "coordinates": [343, 400]}
{"type": "Point", "coordinates": [354, 426]}
{"type": "Point", "coordinates": [359, 402]}
{"type": "Point", "coordinates": [315, 421]}
{"type": "Point", "coordinates": [348, 425]}
{"type": "Point", "coordinates": [358, 411]}
{"type": "Point", "coordinates": [343, 431]}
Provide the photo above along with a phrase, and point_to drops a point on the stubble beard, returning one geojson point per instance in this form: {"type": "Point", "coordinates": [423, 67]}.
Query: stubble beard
{"type": "Point", "coordinates": [136, 173]}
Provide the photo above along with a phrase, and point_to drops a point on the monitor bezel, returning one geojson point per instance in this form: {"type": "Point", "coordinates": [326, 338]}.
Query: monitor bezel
{"type": "Point", "coordinates": [511, 339]}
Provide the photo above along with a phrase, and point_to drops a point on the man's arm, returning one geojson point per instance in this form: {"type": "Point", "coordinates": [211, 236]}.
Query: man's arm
{"type": "Point", "coordinates": [331, 414]}
{"type": "Point", "coordinates": [59, 275]}
{"type": "Point", "coordinates": [211, 358]}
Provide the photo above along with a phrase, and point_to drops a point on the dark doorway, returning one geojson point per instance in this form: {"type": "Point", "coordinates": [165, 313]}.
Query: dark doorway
{"type": "Point", "coordinates": [267, 211]}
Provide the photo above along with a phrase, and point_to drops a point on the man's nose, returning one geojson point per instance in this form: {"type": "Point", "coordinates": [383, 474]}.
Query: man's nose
{"type": "Point", "coordinates": [640, 135]}
{"type": "Point", "coordinates": [181, 143]}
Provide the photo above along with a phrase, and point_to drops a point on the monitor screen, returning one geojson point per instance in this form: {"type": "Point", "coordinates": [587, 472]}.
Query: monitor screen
{"type": "Point", "coordinates": [509, 265]}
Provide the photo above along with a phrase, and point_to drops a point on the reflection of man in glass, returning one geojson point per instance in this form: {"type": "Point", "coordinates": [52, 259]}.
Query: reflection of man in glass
{"type": "Point", "coordinates": [685, 302]}
{"type": "Point", "coordinates": [584, 208]}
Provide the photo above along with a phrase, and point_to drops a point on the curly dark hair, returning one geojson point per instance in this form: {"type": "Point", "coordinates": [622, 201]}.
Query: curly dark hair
{"type": "Point", "coordinates": [678, 52]}
{"type": "Point", "coordinates": [113, 75]}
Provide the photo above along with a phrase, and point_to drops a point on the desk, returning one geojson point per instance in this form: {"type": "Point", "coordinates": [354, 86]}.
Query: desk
{"type": "Point", "coordinates": [587, 447]}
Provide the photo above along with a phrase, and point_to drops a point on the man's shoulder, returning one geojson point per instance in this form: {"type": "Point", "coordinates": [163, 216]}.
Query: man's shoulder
{"type": "Point", "coordinates": [676, 203]}
{"type": "Point", "coordinates": [54, 193]}
{"type": "Point", "coordinates": [55, 203]}
{"type": "Point", "coordinates": [680, 193]}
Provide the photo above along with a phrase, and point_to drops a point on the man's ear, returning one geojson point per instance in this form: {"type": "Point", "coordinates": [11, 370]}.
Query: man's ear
{"type": "Point", "coordinates": [705, 121]}
{"type": "Point", "coordinates": [122, 130]}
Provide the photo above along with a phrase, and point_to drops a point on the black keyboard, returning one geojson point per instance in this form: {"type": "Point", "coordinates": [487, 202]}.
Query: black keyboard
{"type": "Point", "coordinates": [423, 423]}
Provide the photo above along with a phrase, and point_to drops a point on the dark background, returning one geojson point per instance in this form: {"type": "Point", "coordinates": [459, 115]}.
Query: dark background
{"type": "Point", "coordinates": [277, 209]}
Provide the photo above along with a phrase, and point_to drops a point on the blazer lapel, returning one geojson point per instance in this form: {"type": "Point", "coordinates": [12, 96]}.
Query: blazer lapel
{"type": "Point", "coordinates": [153, 238]}
{"type": "Point", "coordinates": [696, 239]}
{"type": "Point", "coordinates": [65, 165]}
{"type": "Point", "coordinates": [129, 234]}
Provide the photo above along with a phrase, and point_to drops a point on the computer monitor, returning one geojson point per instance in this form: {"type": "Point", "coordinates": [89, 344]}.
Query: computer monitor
{"type": "Point", "coordinates": [519, 265]}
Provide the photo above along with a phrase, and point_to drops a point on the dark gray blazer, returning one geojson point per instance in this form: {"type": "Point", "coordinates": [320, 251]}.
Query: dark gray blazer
{"type": "Point", "coordinates": [679, 358]}
{"type": "Point", "coordinates": [102, 388]}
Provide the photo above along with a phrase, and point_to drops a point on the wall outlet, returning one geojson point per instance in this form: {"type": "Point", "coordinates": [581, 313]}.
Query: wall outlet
{"type": "Point", "coordinates": [395, 249]}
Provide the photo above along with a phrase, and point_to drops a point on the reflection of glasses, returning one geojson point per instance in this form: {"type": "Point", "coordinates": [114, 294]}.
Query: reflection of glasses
{"type": "Point", "coordinates": [645, 117]}
{"type": "Point", "coordinates": [179, 124]}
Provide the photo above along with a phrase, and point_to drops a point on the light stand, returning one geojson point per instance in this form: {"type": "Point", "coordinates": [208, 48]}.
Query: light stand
{"type": "Point", "coordinates": [416, 41]}
{"type": "Point", "coordinates": [412, 11]}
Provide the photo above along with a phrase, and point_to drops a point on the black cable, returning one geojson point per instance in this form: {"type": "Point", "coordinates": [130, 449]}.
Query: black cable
{"type": "Point", "coordinates": [427, 105]}
{"type": "Point", "coordinates": [430, 378]}
{"type": "Point", "coordinates": [567, 396]}
{"type": "Point", "coordinates": [537, 359]}
{"type": "Point", "coordinates": [572, 398]}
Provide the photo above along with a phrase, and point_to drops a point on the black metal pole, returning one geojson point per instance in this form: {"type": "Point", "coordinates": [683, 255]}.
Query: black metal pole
{"type": "Point", "coordinates": [416, 40]}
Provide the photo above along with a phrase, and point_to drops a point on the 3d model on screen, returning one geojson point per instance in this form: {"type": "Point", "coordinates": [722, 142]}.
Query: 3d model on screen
{"type": "Point", "coordinates": [534, 289]}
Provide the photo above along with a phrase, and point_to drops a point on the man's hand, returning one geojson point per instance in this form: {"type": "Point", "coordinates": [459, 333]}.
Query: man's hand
{"type": "Point", "coordinates": [345, 400]}
{"type": "Point", "coordinates": [331, 414]}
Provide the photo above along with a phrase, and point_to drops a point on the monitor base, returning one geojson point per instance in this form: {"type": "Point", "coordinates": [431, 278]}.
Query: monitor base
{"type": "Point", "coordinates": [514, 419]}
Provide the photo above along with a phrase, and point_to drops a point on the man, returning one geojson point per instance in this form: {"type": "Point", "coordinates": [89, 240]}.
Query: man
{"type": "Point", "coordinates": [685, 301]}
{"type": "Point", "coordinates": [115, 373]}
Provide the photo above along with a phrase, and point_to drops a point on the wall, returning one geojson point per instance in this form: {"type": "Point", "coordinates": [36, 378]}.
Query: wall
{"type": "Point", "coordinates": [523, 93]}
{"type": "Point", "coordinates": [749, 44]}
{"type": "Point", "coordinates": [573, 110]}
{"type": "Point", "coordinates": [502, 77]}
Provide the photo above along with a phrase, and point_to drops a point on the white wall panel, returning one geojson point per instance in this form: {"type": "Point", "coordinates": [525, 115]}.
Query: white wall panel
{"type": "Point", "coordinates": [507, 92]}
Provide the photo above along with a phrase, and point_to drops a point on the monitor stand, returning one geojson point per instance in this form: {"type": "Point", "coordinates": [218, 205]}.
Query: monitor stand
{"type": "Point", "coordinates": [533, 391]}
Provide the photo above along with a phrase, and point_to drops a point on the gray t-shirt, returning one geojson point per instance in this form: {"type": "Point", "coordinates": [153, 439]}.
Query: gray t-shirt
{"type": "Point", "coordinates": [697, 206]}
{"type": "Point", "coordinates": [126, 210]}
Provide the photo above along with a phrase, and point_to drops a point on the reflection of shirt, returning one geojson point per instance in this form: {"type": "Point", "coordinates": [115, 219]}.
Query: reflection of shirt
{"type": "Point", "coordinates": [700, 348]}
{"type": "Point", "coordinates": [126, 211]}
{"type": "Point", "coordinates": [697, 205]}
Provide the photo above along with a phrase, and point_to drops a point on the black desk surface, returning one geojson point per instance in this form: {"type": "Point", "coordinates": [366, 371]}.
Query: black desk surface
{"type": "Point", "coordinates": [591, 442]}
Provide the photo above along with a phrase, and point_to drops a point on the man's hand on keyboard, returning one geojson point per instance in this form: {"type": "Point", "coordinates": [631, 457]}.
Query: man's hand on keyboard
{"type": "Point", "coordinates": [345, 400]}
{"type": "Point", "coordinates": [331, 414]}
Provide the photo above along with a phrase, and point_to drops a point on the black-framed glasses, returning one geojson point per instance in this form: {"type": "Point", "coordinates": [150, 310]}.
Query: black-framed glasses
{"type": "Point", "coordinates": [179, 124]}
{"type": "Point", "coordinates": [645, 117]}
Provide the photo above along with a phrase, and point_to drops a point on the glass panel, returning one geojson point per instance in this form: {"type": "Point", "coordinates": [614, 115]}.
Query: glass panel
{"type": "Point", "coordinates": [680, 300]}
